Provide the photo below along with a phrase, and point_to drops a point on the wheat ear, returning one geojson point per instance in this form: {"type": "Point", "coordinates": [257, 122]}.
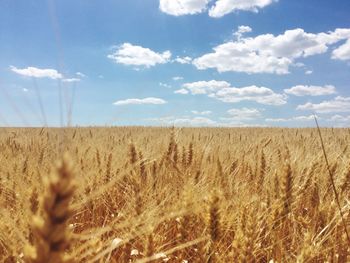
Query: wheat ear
{"type": "Point", "coordinates": [50, 229]}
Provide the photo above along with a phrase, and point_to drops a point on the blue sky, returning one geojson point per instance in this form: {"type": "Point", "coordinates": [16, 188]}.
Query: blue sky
{"type": "Point", "coordinates": [182, 62]}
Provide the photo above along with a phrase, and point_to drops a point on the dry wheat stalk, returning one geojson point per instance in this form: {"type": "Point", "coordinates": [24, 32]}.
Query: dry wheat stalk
{"type": "Point", "coordinates": [214, 228]}
{"type": "Point", "coordinates": [50, 229]}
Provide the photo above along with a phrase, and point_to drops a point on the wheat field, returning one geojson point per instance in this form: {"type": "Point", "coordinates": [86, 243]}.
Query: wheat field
{"type": "Point", "coordinates": [133, 194]}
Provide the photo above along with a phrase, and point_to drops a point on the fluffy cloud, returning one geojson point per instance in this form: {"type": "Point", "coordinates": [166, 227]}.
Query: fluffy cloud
{"type": "Point", "coordinates": [299, 65]}
{"type": "Point", "coordinates": [223, 91]}
{"type": "Point", "coordinates": [79, 74]}
{"type": "Point", "coordinates": [297, 118]}
{"type": "Point", "coordinates": [242, 30]}
{"type": "Point", "coordinates": [339, 104]}
{"type": "Point", "coordinates": [164, 85]}
{"type": "Point", "coordinates": [240, 59]}
{"type": "Point", "coordinates": [182, 7]}
{"type": "Point", "coordinates": [184, 121]}
{"type": "Point", "coordinates": [207, 112]}
{"type": "Point", "coordinates": [71, 80]}
{"type": "Point", "coordinates": [260, 95]}
{"type": "Point", "coordinates": [223, 7]}
{"type": "Point", "coordinates": [276, 120]}
{"type": "Point", "coordinates": [206, 87]}
{"type": "Point", "coordinates": [271, 54]}
{"type": "Point", "coordinates": [37, 72]}
{"type": "Point", "coordinates": [196, 121]}
{"type": "Point", "coordinates": [150, 100]}
{"type": "Point", "coordinates": [342, 52]}
{"type": "Point", "coordinates": [176, 78]}
{"type": "Point", "coordinates": [181, 91]}
{"type": "Point", "coordinates": [133, 55]}
{"type": "Point", "coordinates": [201, 121]}
{"type": "Point", "coordinates": [340, 118]}
{"type": "Point", "coordinates": [301, 90]}
{"type": "Point", "coordinates": [219, 9]}
{"type": "Point", "coordinates": [305, 118]}
{"type": "Point", "coordinates": [243, 114]}
{"type": "Point", "coordinates": [183, 60]}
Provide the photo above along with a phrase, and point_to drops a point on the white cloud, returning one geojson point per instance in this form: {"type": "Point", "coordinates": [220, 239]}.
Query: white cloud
{"type": "Point", "coordinates": [308, 72]}
{"type": "Point", "coordinates": [299, 65]}
{"type": "Point", "coordinates": [207, 112]}
{"type": "Point", "coordinates": [163, 120]}
{"type": "Point", "coordinates": [71, 80]}
{"type": "Point", "coordinates": [238, 57]}
{"type": "Point", "coordinates": [79, 74]}
{"type": "Point", "coordinates": [223, 7]}
{"type": "Point", "coordinates": [219, 9]}
{"type": "Point", "coordinates": [37, 72]}
{"type": "Point", "coordinates": [150, 100]}
{"type": "Point", "coordinates": [184, 121]}
{"type": "Point", "coordinates": [339, 118]}
{"type": "Point", "coordinates": [206, 87]}
{"type": "Point", "coordinates": [241, 30]}
{"type": "Point", "coordinates": [260, 95]}
{"type": "Point", "coordinates": [276, 120]}
{"type": "Point", "coordinates": [196, 121]}
{"type": "Point", "coordinates": [305, 118]}
{"type": "Point", "coordinates": [243, 114]}
{"type": "Point", "coordinates": [242, 125]}
{"type": "Point", "coordinates": [342, 52]}
{"type": "Point", "coordinates": [223, 91]}
{"type": "Point", "coordinates": [339, 104]}
{"type": "Point", "coordinates": [164, 85]}
{"type": "Point", "coordinates": [268, 53]}
{"type": "Point", "coordinates": [183, 60]}
{"type": "Point", "coordinates": [25, 90]}
{"type": "Point", "coordinates": [301, 90]}
{"type": "Point", "coordinates": [244, 29]}
{"type": "Point", "coordinates": [296, 118]}
{"type": "Point", "coordinates": [181, 91]}
{"type": "Point", "coordinates": [176, 78]}
{"type": "Point", "coordinates": [183, 7]}
{"type": "Point", "coordinates": [133, 55]}
{"type": "Point", "coordinates": [201, 121]}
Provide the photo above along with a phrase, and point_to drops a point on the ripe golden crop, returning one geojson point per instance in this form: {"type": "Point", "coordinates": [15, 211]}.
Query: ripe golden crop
{"type": "Point", "coordinates": [133, 194]}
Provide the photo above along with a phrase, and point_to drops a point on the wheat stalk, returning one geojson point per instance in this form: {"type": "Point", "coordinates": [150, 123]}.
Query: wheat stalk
{"type": "Point", "coordinates": [50, 229]}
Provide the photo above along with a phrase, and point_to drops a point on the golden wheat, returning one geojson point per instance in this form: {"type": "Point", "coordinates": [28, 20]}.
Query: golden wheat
{"type": "Point", "coordinates": [176, 195]}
